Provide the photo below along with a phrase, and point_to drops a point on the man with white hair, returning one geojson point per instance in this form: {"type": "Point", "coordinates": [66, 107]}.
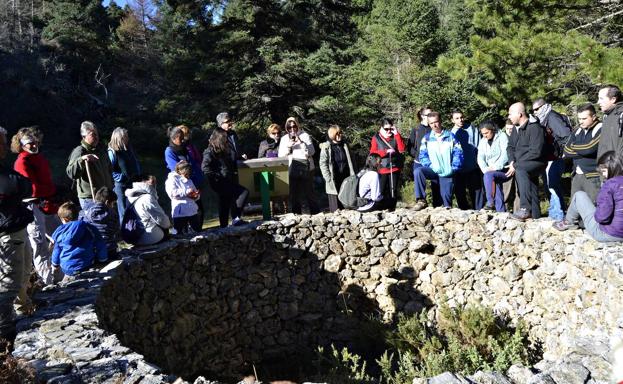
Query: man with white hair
{"type": "Point", "coordinates": [89, 166]}
{"type": "Point", "coordinates": [14, 249]}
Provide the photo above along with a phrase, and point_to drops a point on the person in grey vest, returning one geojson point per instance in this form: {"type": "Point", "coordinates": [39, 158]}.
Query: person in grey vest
{"type": "Point", "coordinates": [610, 102]}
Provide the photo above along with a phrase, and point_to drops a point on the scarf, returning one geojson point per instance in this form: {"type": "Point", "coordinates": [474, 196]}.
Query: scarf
{"type": "Point", "coordinates": [179, 150]}
{"type": "Point", "coordinates": [88, 146]}
{"type": "Point", "coordinates": [542, 113]}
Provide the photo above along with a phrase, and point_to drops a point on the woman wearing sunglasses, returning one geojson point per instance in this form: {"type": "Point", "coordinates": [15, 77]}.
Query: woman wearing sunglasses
{"type": "Point", "coordinates": [388, 144]}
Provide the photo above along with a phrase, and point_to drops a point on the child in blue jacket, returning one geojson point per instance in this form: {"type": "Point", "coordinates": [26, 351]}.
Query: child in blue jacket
{"type": "Point", "coordinates": [76, 243]}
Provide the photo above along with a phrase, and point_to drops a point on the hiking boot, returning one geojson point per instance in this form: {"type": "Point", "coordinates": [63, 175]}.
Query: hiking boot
{"type": "Point", "coordinates": [489, 208]}
{"type": "Point", "coordinates": [521, 215]}
{"type": "Point", "coordinates": [563, 225]}
{"type": "Point", "coordinates": [420, 204]}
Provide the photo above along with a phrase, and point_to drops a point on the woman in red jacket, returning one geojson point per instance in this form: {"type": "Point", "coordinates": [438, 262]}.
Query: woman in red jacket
{"type": "Point", "coordinates": [34, 166]}
{"type": "Point", "coordinates": [388, 144]}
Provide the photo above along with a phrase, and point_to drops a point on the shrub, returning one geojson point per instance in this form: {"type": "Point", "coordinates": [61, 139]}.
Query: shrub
{"type": "Point", "coordinates": [464, 340]}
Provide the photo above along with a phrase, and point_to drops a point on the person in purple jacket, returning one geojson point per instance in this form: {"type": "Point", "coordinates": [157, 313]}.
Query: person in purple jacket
{"type": "Point", "coordinates": [605, 221]}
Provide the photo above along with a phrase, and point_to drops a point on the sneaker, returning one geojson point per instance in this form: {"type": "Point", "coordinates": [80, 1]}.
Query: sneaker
{"type": "Point", "coordinates": [521, 215]}
{"type": "Point", "coordinates": [238, 222]}
{"type": "Point", "coordinates": [563, 225]}
{"type": "Point", "coordinates": [420, 204]}
{"type": "Point", "coordinates": [489, 208]}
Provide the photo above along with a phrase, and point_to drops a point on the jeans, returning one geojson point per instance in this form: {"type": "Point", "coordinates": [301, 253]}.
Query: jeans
{"type": "Point", "coordinates": [441, 187]}
{"type": "Point", "coordinates": [14, 259]}
{"type": "Point", "coordinates": [553, 176]}
{"type": "Point", "coordinates": [493, 186]}
{"type": "Point", "coordinates": [527, 177]}
{"type": "Point", "coordinates": [582, 206]}
{"type": "Point", "coordinates": [37, 230]}
{"type": "Point", "coordinates": [122, 201]}
{"type": "Point", "coordinates": [469, 182]}
{"type": "Point", "coordinates": [85, 203]}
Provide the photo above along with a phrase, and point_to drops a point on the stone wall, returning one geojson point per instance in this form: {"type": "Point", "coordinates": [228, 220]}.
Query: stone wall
{"type": "Point", "coordinates": [266, 295]}
{"type": "Point", "coordinates": [224, 301]}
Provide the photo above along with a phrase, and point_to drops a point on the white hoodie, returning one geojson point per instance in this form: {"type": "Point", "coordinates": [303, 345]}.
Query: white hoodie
{"type": "Point", "coordinates": [178, 187]}
{"type": "Point", "coordinates": [153, 217]}
{"type": "Point", "coordinates": [303, 150]}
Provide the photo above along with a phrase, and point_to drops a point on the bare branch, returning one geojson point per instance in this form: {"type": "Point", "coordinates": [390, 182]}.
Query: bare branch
{"type": "Point", "coordinates": [100, 78]}
{"type": "Point", "coordinates": [598, 20]}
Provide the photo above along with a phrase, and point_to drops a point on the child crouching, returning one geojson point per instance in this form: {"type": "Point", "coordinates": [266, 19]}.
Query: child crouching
{"type": "Point", "coordinates": [102, 214]}
{"type": "Point", "coordinates": [76, 243]}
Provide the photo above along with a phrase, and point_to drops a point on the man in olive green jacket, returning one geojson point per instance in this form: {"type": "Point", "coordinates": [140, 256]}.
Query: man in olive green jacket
{"type": "Point", "coordinates": [89, 155]}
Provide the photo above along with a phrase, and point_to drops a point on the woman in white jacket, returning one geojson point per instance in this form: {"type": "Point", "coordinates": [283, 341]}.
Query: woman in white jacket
{"type": "Point", "coordinates": [299, 149]}
{"type": "Point", "coordinates": [144, 198]}
{"type": "Point", "coordinates": [183, 195]}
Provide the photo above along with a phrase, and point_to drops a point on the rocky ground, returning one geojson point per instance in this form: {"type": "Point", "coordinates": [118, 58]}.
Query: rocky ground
{"type": "Point", "coordinates": [567, 287]}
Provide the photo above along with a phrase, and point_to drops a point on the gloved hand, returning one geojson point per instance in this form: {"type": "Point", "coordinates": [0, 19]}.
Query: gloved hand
{"type": "Point", "coordinates": [390, 151]}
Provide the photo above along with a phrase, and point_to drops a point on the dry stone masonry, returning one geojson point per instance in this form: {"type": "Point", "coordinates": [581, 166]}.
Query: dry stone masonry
{"type": "Point", "coordinates": [267, 295]}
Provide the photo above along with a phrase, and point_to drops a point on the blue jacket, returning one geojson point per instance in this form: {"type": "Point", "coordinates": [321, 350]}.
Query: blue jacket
{"type": "Point", "coordinates": [125, 165]}
{"type": "Point", "coordinates": [469, 138]}
{"type": "Point", "coordinates": [171, 159]}
{"type": "Point", "coordinates": [76, 244]}
{"type": "Point", "coordinates": [442, 154]}
{"type": "Point", "coordinates": [493, 155]}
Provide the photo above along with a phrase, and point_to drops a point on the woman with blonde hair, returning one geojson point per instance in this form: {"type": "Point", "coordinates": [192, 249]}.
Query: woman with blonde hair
{"type": "Point", "coordinates": [125, 166]}
{"type": "Point", "coordinates": [270, 146]}
{"type": "Point", "coordinates": [335, 165]}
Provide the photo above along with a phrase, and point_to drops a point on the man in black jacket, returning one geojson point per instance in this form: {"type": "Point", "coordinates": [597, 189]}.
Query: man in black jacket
{"type": "Point", "coordinates": [525, 156]}
{"type": "Point", "coordinates": [582, 148]}
{"type": "Point", "coordinates": [14, 217]}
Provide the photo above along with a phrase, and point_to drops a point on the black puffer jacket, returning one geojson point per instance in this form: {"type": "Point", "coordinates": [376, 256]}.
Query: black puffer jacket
{"type": "Point", "coordinates": [219, 167]}
{"type": "Point", "coordinates": [14, 215]}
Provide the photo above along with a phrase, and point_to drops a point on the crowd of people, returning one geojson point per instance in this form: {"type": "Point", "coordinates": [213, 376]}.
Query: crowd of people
{"type": "Point", "coordinates": [482, 167]}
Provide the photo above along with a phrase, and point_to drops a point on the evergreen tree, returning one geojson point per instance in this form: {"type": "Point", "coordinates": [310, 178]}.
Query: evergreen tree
{"type": "Point", "coordinates": [523, 50]}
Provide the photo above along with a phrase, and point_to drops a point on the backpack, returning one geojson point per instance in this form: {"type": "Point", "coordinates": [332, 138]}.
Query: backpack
{"type": "Point", "coordinates": [349, 192]}
{"type": "Point", "coordinates": [131, 226]}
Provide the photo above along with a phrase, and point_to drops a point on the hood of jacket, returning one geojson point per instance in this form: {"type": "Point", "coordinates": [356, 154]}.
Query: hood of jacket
{"type": "Point", "coordinates": [72, 233]}
{"type": "Point", "coordinates": [138, 189]}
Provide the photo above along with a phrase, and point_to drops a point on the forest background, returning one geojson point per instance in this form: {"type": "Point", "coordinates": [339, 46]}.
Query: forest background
{"type": "Point", "coordinates": [157, 63]}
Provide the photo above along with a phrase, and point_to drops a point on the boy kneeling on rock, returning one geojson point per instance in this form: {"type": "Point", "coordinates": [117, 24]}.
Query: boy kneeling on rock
{"type": "Point", "coordinates": [76, 243]}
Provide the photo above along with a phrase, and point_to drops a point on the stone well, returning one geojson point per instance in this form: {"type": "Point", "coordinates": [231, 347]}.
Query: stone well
{"type": "Point", "coordinates": [263, 296]}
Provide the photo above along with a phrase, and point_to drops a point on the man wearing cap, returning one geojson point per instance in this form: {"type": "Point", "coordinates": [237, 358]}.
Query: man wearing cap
{"type": "Point", "coordinates": [89, 166]}
{"type": "Point", "coordinates": [224, 122]}
{"type": "Point", "coordinates": [14, 252]}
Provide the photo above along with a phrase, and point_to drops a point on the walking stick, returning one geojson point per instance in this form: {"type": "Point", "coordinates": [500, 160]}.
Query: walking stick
{"type": "Point", "coordinates": [391, 175]}
{"type": "Point", "coordinates": [86, 164]}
